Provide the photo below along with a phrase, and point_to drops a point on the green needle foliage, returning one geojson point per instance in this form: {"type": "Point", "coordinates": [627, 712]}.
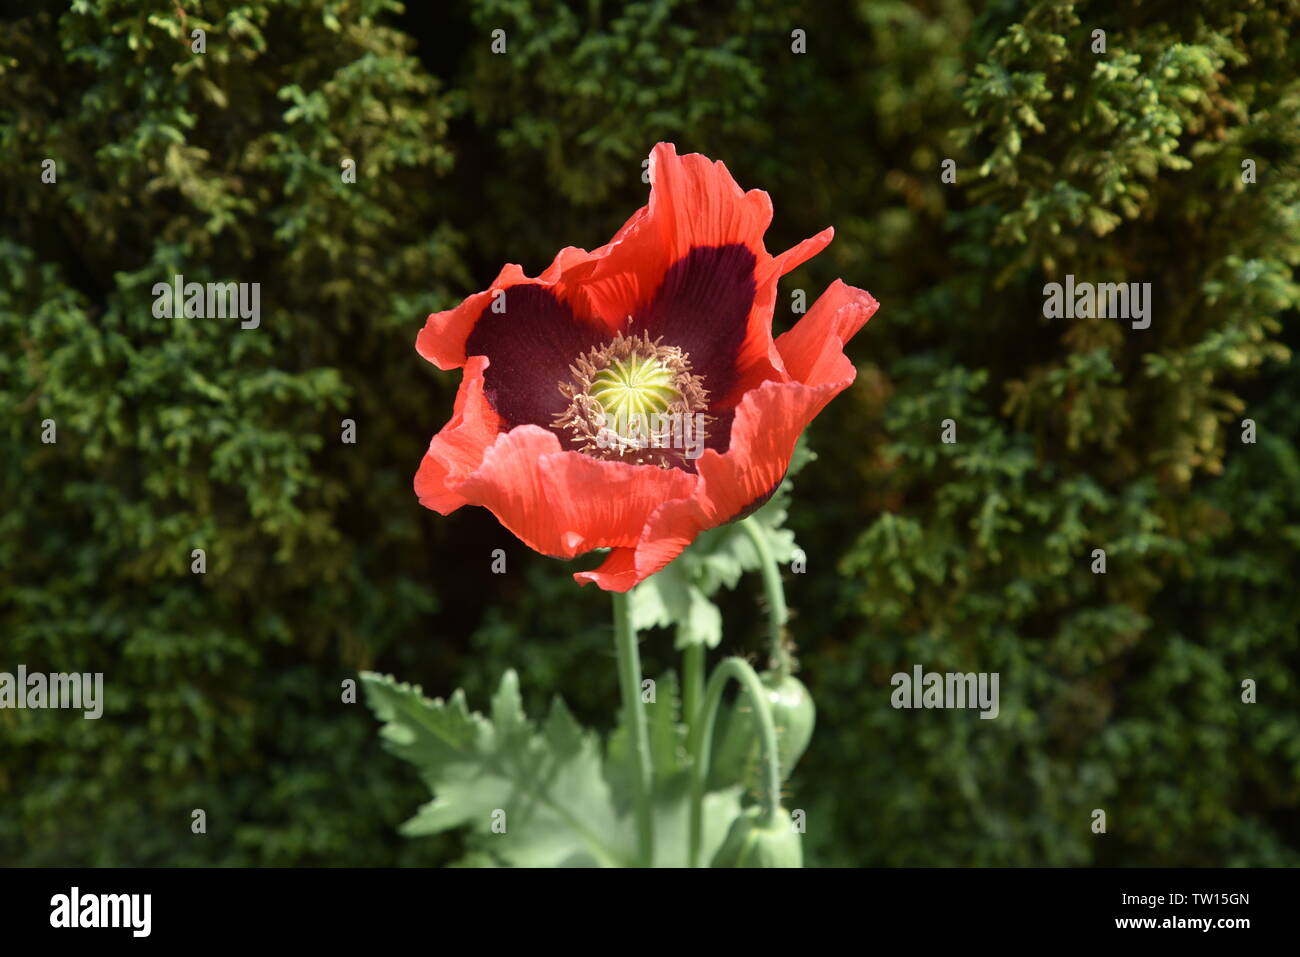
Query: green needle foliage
{"type": "Point", "coordinates": [1120, 691]}
{"type": "Point", "coordinates": [224, 688]}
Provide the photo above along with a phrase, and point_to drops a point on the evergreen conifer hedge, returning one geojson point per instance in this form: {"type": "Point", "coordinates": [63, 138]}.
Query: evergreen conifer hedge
{"type": "Point", "coordinates": [1163, 150]}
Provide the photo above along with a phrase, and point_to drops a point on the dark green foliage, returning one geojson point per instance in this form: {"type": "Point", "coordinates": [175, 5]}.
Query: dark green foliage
{"type": "Point", "coordinates": [1119, 691]}
{"type": "Point", "coordinates": [224, 689]}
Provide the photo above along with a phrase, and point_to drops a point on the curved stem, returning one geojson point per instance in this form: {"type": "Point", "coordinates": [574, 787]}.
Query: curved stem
{"type": "Point", "coordinates": [777, 613]}
{"type": "Point", "coordinates": [701, 745]}
{"type": "Point", "coordinates": [629, 679]}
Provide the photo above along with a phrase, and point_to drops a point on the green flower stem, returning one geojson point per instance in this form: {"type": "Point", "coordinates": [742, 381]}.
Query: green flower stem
{"type": "Point", "coordinates": [701, 746]}
{"type": "Point", "coordinates": [692, 685]}
{"type": "Point", "coordinates": [776, 609]}
{"type": "Point", "coordinates": [629, 679]}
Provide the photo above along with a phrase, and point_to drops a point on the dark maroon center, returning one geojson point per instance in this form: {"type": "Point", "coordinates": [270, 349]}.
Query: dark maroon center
{"type": "Point", "coordinates": [532, 339]}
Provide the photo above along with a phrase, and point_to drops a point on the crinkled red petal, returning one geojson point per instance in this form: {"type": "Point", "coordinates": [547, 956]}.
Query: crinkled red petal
{"type": "Point", "coordinates": [564, 503]}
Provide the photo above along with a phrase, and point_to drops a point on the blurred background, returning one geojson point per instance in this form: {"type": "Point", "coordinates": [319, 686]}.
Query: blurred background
{"type": "Point", "coordinates": [1119, 691]}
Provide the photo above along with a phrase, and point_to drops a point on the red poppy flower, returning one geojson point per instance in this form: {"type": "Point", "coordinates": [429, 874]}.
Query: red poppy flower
{"type": "Point", "coordinates": [632, 397]}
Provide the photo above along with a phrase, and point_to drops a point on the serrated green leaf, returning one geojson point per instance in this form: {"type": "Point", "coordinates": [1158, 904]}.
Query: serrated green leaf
{"type": "Point", "coordinates": [531, 799]}
{"type": "Point", "coordinates": [542, 797]}
{"type": "Point", "coordinates": [671, 598]}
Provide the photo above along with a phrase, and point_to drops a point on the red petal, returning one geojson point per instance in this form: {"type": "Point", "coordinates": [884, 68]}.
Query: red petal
{"type": "Point", "coordinates": [768, 422]}
{"type": "Point", "coordinates": [564, 503]}
{"type": "Point", "coordinates": [693, 202]}
{"type": "Point", "coordinates": [672, 526]}
{"type": "Point", "coordinates": [616, 573]}
{"type": "Point", "coordinates": [813, 350]}
{"type": "Point", "coordinates": [442, 340]}
{"type": "Point", "coordinates": [458, 449]}
{"type": "Point", "coordinates": [759, 358]}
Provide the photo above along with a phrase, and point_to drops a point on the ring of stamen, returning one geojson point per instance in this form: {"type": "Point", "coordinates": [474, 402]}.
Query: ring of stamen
{"type": "Point", "coordinates": [635, 400]}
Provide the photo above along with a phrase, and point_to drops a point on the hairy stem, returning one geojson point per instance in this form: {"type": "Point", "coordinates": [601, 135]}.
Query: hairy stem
{"type": "Point", "coordinates": [777, 614]}
{"type": "Point", "coordinates": [629, 679]}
